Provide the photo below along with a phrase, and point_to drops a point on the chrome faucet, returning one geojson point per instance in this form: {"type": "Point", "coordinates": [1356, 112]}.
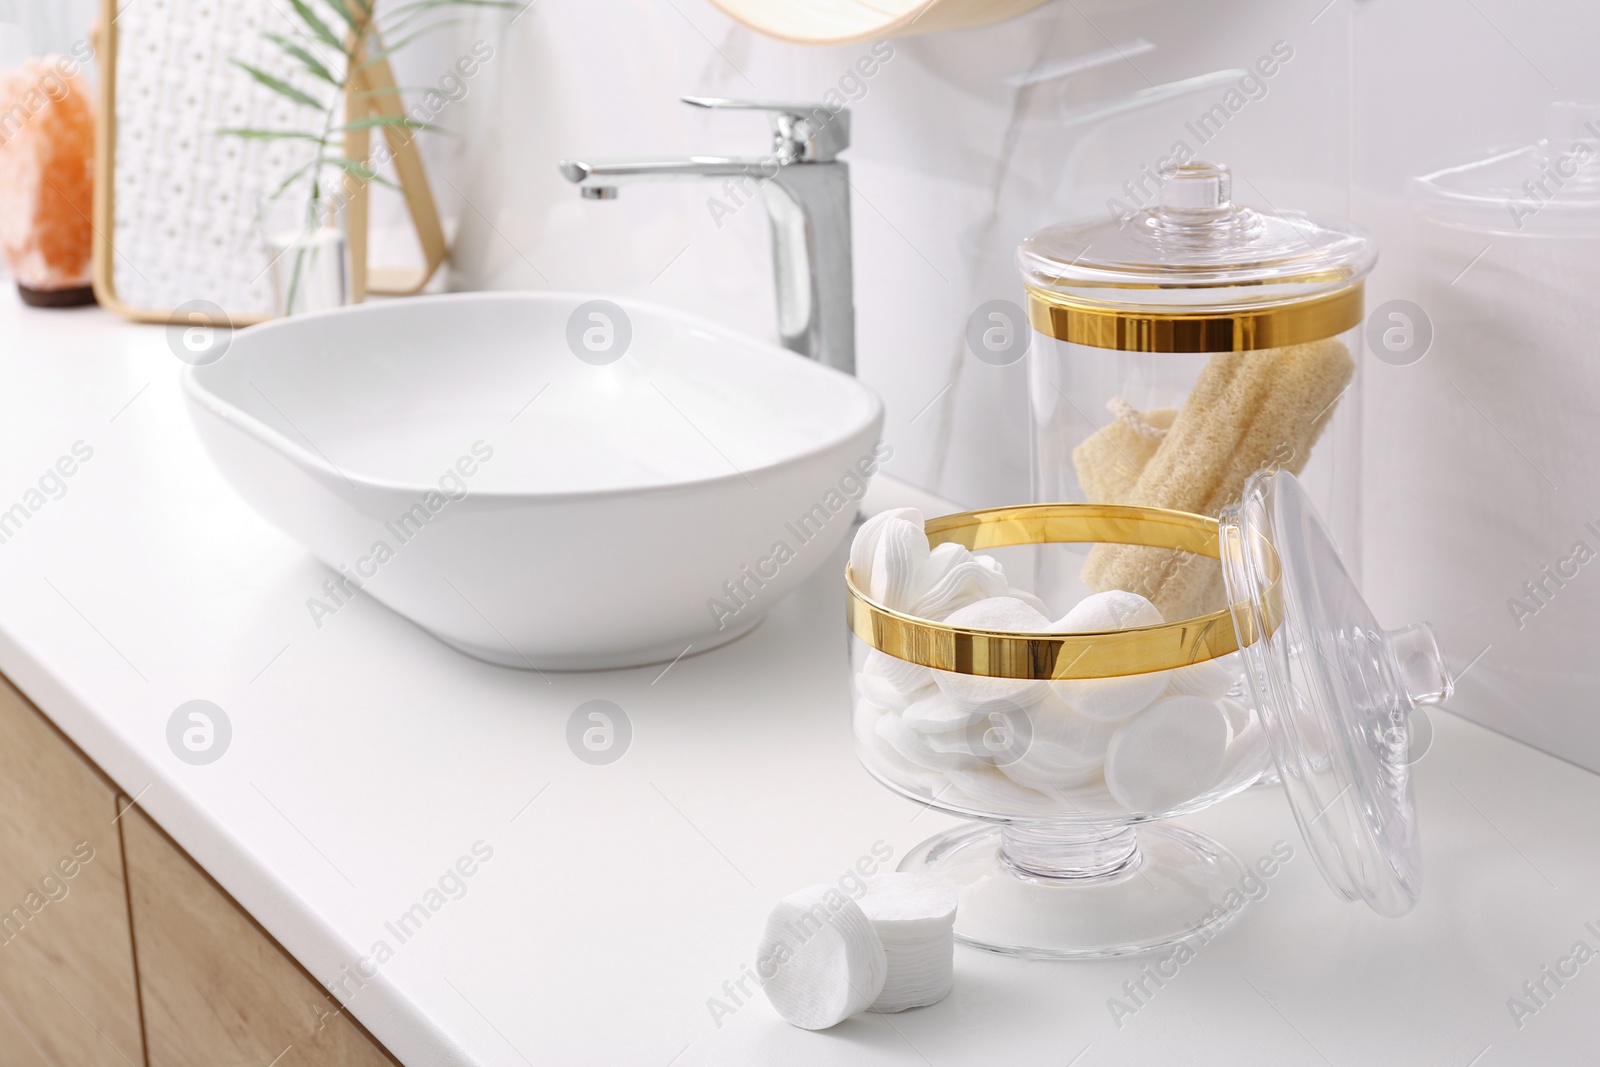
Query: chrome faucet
{"type": "Point", "coordinates": [806, 190]}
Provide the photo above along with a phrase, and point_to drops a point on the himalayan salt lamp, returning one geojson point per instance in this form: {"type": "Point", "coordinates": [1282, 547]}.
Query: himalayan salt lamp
{"type": "Point", "coordinates": [47, 181]}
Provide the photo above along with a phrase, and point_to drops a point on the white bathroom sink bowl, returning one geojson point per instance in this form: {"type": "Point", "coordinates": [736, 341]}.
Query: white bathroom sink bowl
{"type": "Point", "coordinates": [451, 457]}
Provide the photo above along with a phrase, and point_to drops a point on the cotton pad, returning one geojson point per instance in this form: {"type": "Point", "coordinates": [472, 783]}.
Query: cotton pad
{"type": "Point", "coordinates": [985, 789]}
{"type": "Point", "coordinates": [1047, 766]}
{"type": "Point", "coordinates": [865, 544]}
{"type": "Point", "coordinates": [966, 583]}
{"type": "Point", "coordinates": [914, 918]}
{"type": "Point", "coordinates": [904, 676]}
{"type": "Point", "coordinates": [879, 756]}
{"type": "Point", "coordinates": [896, 563]}
{"type": "Point", "coordinates": [1168, 754]}
{"type": "Point", "coordinates": [819, 959]}
{"type": "Point", "coordinates": [935, 752]}
{"type": "Point", "coordinates": [904, 907]}
{"type": "Point", "coordinates": [936, 713]}
{"type": "Point", "coordinates": [942, 559]}
{"type": "Point", "coordinates": [1053, 719]}
{"type": "Point", "coordinates": [890, 682]}
{"type": "Point", "coordinates": [1110, 699]}
{"type": "Point", "coordinates": [1247, 751]}
{"type": "Point", "coordinates": [864, 721]}
{"type": "Point", "coordinates": [1115, 609]}
{"type": "Point", "coordinates": [1211, 678]}
{"type": "Point", "coordinates": [995, 613]}
{"type": "Point", "coordinates": [1063, 749]}
{"type": "Point", "coordinates": [882, 692]}
{"type": "Point", "coordinates": [1239, 716]}
{"type": "Point", "coordinates": [954, 578]}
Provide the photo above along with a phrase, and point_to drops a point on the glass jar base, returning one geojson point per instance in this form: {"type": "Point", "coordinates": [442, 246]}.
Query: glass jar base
{"type": "Point", "coordinates": [1175, 888]}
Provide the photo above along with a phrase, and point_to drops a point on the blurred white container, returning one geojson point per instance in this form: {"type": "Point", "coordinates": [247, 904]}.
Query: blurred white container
{"type": "Point", "coordinates": [1500, 439]}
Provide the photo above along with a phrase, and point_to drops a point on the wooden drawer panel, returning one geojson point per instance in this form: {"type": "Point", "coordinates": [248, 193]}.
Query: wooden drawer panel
{"type": "Point", "coordinates": [68, 993]}
{"type": "Point", "coordinates": [217, 989]}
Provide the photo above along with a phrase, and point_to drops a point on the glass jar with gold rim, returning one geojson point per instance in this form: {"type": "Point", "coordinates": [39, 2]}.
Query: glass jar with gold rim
{"type": "Point", "coordinates": [1180, 348]}
{"type": "Point", "coordinates": [1070, 746]}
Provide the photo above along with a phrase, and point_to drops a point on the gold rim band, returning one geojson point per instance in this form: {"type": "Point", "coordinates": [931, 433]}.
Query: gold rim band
{"type": "Point", "coordinates": [1236, 331]}
{"type": "Point", "coordinates": [1110, 654]}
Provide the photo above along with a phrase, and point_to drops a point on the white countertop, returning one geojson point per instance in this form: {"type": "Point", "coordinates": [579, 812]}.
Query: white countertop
{"type": "Point", "coordinates": [368, 757]}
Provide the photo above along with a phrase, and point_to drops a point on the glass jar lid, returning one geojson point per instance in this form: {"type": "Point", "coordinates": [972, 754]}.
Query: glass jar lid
{"type": "Point", "coordinates": [1336, 692]}
{"type": "Point", "coordinates": [1549, 187]}
{"type": "Point", "coordinates": [1232, 278]}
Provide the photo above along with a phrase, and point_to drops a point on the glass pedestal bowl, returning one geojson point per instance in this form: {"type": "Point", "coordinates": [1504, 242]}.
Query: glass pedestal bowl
{"type": "Point", "coordinates": [1030, 734]}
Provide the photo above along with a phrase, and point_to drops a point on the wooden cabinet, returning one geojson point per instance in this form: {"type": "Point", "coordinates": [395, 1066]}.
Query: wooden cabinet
{"type": "Point", "coordinates": [116, 950]}
{"type": "Point", "coordinates": [68, 993]}
{"type": "Point", "coordinates": [216, 988]}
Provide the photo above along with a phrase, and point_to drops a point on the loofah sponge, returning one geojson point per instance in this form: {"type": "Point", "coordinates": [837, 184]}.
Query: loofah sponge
{"type": "Point", "coordinates": [1111, 459]}
{"type": "Point", "coordinates": [1247, 410]}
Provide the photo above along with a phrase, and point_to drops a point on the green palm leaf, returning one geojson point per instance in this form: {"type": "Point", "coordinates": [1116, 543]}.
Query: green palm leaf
{"type": "Point", "coordinates": [281, 87]}
{"type": "Point", "coordinates": [372, 121]}
{"type": "Point", "coordinates": [358, 15]}
{"type": "Point", "coordinates": [269, 135]}
{"type": "Point", "coordinates": [312, 64]}
{"type": "Point", "coordinates": [316, 25]}
{"type": "Point", "coordinates": [297, 172]}
{"type": "Point", "coordinates": [365, 171]}
{"type": "Point", "coordinates": [390, 49]}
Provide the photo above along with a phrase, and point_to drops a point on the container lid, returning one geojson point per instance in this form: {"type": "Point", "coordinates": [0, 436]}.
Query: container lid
{"type": "Point", "coordinates": [1334, 690]}
{"type": "Point", "coordinates": [1265, 279]}
{"type": "Point", "coordinates": [1549, 187]}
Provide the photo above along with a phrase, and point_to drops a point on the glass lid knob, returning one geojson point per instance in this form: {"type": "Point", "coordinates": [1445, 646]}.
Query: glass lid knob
{"type": "Point", "coordinates": [1198, 187]}
{"type": "Point", "coordinates": [1423, 675]}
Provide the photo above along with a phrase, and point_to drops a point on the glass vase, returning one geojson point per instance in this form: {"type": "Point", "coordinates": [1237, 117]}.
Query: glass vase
{"type": "Point", "coordinates": [307, 246]}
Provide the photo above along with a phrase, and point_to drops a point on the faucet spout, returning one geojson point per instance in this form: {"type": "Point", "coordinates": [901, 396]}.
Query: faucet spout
{"type": "Point", "coordinates": [602, 179]}
{"type": "Point", "coordinates": [806, 191]}
{"type": "Point", "coordinates": [626, 171]}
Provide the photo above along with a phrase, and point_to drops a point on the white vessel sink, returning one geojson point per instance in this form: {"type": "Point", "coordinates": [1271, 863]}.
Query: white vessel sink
{"type": "Point", "coordinates": [455, 458]}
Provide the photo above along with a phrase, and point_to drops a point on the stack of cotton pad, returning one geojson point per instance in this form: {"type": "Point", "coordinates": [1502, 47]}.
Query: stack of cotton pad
{"type": "Point", "coordinates": [824, 958]}
{"type": "Point", "coordinates": [914, 918]}
{"type": "Point", "coordinates": [892, 563]}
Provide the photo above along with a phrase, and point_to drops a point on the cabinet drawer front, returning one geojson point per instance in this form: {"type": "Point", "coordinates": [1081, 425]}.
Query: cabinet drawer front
{"type": "Point", "coordinates": [67, 988]}
{"type": "Point", "coordinates": [216, 988]}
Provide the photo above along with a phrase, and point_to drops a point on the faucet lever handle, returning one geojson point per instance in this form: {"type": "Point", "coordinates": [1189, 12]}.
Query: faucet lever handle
{"type": "Point", "coordinates": [802, 132]}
